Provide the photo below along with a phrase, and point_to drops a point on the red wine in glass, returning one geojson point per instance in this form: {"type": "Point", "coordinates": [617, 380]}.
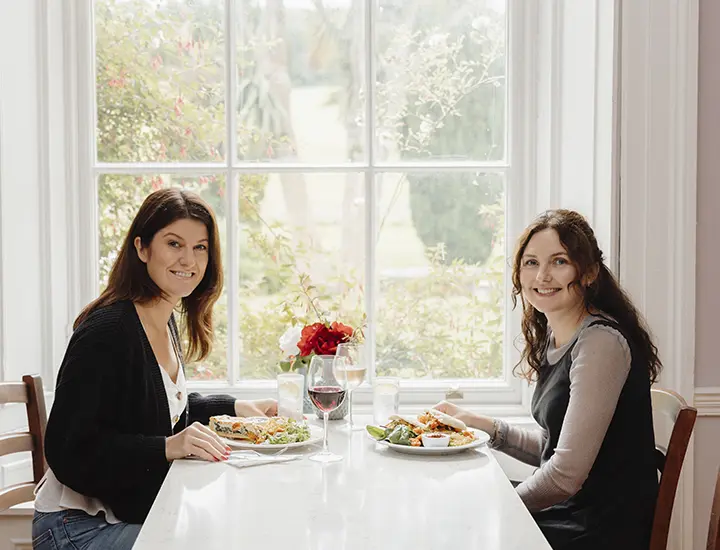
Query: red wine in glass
{"type": "Point", "coordinates": [326, 398]}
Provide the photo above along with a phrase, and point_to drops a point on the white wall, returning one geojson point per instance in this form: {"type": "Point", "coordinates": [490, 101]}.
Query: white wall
{"type": "Point", "coordinates": [33, 307]}
{"type": "Point", "coordinates": [20, 215]}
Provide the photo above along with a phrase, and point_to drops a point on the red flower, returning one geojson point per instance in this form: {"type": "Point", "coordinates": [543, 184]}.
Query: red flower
{"type": "Point", "coordinates": [321, 339]}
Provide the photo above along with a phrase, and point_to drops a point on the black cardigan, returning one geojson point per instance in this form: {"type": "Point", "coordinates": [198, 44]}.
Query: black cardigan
{"type": "Point", "coordinates": [106, 432]}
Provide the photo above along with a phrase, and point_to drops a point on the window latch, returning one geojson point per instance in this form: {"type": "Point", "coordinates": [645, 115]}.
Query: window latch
{"type": "Point", "coordinates": [454, 393]}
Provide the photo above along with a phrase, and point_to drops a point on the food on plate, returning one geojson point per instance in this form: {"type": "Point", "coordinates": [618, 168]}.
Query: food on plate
{"type": "Point", "coordinates": [436, 420]}
{"type": "Point", "coordinates": [406, 430]}
{"type": "Point", "coordinates": [276, 430]}
{"type": "Point", "coordinates": [411, 422]}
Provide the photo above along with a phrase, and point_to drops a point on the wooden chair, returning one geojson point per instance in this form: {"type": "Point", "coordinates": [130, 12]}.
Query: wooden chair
{"type": "Point", "coordinates": [30, 392]}
{"type": "Point", "coordinates": [713, 541]}
{"type": "Point", "coordinates": [673, 422]}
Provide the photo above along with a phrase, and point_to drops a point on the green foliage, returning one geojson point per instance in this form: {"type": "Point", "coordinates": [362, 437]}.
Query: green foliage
{"type": "Point", "coordinates": [458, 111]}
{"type": "Point", "coordinates": [445, 210]}
{"type": "Point", "coordinates": [449, 323]}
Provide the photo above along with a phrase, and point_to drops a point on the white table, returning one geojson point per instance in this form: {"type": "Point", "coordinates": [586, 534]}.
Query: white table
{"type": "Point", "coordinates": [374, 499]}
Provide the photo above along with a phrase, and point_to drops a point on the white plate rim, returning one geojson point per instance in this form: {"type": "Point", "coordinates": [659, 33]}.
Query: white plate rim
{"type": "Point", "coordinates": [482, 439]}
{"type": "Point", "coordinates": [316, 436]}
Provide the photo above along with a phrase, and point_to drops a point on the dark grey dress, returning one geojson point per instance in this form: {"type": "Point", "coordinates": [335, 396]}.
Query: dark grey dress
{"type": "Point", "coordinates": [614, 508]}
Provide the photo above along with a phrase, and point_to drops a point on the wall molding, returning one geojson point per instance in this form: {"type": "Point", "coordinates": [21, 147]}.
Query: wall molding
{"type": "Point", "coordinates": [44, 208]}
{"type": "Point", "coordinates": [658, 193]}
{"type": "Point", "coordinates": [707, 400]}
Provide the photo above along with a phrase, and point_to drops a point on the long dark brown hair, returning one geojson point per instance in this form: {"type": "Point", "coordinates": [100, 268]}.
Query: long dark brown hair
{"type": "Point", "coordinates": [603, 293]}
{"type": "Point", "coordinates": [129, 278]}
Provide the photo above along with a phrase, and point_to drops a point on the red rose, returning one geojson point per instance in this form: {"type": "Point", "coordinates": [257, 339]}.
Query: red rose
{"type": "Point", "coordinates": [308, 337]}
{"type": "Point", "coordinates": [342, 329]}
{"type": "Point", "coordinates": [323, 340]}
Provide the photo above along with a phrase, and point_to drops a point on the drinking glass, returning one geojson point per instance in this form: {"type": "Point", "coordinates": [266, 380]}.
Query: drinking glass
{"type": "Point", "coordinates": [386, 398]}
{"type": "Point", "coordinates": [327, 394]}
{"type": "Point", "coordinates": [350, 367]}
{"type": "Point", "coordinates": [290, 387]}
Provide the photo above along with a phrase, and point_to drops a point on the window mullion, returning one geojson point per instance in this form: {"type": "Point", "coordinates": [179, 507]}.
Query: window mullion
{"type": "Point", "coordinates": [369, 18]}
{"type": "Point", "coordinates": [232, 196]}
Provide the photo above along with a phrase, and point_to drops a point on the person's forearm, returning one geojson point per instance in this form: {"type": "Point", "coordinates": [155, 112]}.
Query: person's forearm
{"type": "Point", "coordinates": [483, 423]}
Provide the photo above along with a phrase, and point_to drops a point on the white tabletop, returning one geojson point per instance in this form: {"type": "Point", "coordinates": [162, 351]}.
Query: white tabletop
{"type": "Point", "coordinates": [375, 498]}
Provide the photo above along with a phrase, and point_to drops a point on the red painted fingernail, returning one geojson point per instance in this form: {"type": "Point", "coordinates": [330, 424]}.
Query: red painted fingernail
{"type": "Point", "coordinates": [216, 459]}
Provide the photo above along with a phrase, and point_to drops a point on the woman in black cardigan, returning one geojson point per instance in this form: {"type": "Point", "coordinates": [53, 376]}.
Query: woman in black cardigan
{"type": "Point", "coordinates": [120, 414]}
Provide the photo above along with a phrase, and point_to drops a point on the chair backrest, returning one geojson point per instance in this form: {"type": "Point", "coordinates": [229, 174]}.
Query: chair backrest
{"type": "Point", "coordinates": [673, 421]}
{"type": "Point", "coordinates": [30, 392]}
{"type": "Point", "coordinates": [713, 542]}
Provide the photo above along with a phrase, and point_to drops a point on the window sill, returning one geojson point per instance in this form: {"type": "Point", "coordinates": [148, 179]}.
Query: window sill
{"type": "Point", "coordinates": [484, 399]}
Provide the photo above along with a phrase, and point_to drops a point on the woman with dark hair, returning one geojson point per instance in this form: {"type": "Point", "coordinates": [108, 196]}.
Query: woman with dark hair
{"type": "Point", "coordinates": [121, 414]}
{"type": "Point", "coordinates": [593, 361]}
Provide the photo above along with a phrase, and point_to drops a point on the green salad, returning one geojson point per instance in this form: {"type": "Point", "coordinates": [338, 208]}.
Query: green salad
{"type": "Point", "coordinates": [398, 434]}
{"type": "Point", "coordinates": [292, 432]}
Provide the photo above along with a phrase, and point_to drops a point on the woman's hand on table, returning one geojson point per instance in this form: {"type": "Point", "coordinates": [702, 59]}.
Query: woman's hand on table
{"type": "Point", "coordinates": [196, 440]}
{"type": "Point", "coordinates": [484, 423]}
{"type": "Point", "coordinates": [256, 407]}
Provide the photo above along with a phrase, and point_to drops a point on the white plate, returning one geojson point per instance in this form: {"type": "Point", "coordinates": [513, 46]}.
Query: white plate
{"type": "Point", "coordinates": [316, 435]}
{"type": "Point", "coordinates": [482, 438]}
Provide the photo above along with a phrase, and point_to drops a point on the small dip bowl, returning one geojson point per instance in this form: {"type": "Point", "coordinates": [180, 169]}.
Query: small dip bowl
{"type": "Point", "coordinates": [435, 440]}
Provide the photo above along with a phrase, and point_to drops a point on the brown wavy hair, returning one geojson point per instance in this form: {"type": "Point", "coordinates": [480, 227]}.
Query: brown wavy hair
{"type": "Point", "coordinates": [129, 278]}
{"type": "Point", "coordinates": [603, 293]}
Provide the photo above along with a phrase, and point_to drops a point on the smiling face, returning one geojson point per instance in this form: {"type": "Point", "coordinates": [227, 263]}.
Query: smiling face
{"type": "Point", "coordinates": [547, 275]}
{"type": "Point", "coordinates": [177, 257]}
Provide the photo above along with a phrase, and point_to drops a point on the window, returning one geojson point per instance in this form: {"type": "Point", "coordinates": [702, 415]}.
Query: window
{"type": "Point", "coordinates": [358, 157]}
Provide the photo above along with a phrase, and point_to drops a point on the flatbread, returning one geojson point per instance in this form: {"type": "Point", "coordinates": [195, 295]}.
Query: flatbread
{"type": "Point", "coordinates": [448, 420]}
{"type": "Point", "coordinates": [234, 427]}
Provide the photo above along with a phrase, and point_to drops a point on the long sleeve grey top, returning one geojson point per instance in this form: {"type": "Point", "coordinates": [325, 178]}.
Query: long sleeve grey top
{"type": "Point", "coordinates": [600, 365]}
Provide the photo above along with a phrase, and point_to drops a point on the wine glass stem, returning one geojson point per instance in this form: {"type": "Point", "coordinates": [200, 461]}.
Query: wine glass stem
{"type": "Point", "coordinates": [350, 418]}
{"type": "Point", "coordinates": [325, 426]}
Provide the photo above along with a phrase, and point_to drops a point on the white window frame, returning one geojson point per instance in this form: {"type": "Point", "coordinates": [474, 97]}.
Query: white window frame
{"type": "Point", "coordinates": [537, 173]}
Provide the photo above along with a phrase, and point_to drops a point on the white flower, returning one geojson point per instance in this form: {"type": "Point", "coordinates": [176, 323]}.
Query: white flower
{"type": "Point", "coordinates": [289, 341]}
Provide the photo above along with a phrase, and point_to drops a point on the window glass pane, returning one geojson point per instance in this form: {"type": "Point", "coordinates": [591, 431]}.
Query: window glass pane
{"type": "Point", "coordinates": [441, 268]}
{"type": "Point", "coordinates": [302, 238]}
{"type": "Point", "coordinates": [159, 80]}
{"type": "Point", "coordinates": [300, 80]}
{"type": "Point", "coordinates": [441, 88]}
{"type": "Point", "coordinates": [120, 197]}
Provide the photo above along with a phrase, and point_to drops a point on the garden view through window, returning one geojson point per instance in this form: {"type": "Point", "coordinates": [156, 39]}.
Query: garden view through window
{"type": "Point", "coordinates": [291, 125]}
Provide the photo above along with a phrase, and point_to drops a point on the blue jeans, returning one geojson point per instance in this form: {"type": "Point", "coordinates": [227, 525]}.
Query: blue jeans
{"type": "Point", "coordinates": [76, 530]}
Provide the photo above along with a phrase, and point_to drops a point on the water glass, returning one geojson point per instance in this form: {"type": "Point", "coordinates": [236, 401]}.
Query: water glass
{"type": "Point", "coordinates": [386, 399]}
{"type": "Point", "coordinates": [350, 367]}
{"type": "Point", "coordinates": [290, 387]}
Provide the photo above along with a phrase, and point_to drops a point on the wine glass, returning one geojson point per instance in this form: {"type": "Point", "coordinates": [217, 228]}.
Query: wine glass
{"type": "Point", "coordinates": [350, 368]}
{"type": "Point", "coordinates": [327, 394]}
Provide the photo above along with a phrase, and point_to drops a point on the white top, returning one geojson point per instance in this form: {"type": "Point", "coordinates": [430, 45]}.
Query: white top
{"type": "Point", "coordinates": [374, 498]}
{"type": "Point", "coordinates": [53, 496]}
